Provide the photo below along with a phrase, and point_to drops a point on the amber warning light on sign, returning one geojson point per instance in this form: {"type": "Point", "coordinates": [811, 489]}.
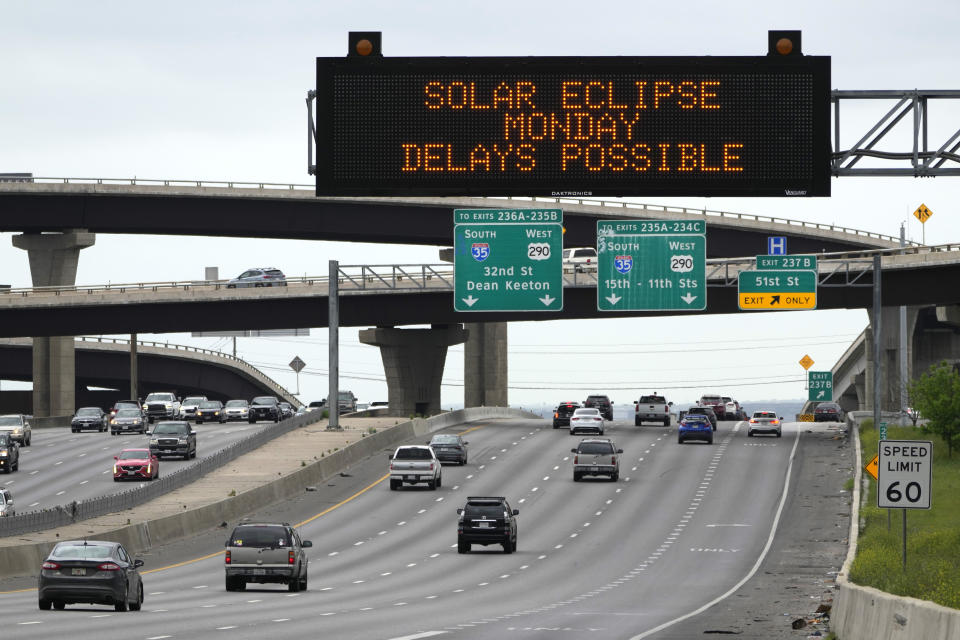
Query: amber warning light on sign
{"type": "Point", "coordinates": [748, 126]}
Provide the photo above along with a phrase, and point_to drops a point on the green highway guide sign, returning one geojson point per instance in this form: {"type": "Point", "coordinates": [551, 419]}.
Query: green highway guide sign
{"type": "Point", "coordinates": [777, 290]}
{"type": "Point", "coordinates": [651, 265]}
{"type": "Point", "coordinates": [820, 386]}
{"type": "Point", "coordinates": [779, 263]}
{"type": "Point", "coordinates": [508, 259]}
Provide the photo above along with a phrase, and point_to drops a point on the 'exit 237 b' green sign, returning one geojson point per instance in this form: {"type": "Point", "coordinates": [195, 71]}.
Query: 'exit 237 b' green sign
{"type": "Point", "coordinates": [820, 386]}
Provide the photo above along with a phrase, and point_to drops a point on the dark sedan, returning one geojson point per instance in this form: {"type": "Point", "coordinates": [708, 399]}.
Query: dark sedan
{"type": "Point", "coordinates": [89, 418]}
{"type": "Point", "coordinates": [90, 572]}
{"type": "Point", "coordinates": [9, 454]}
{"type": "Point", "coordinates": [449, 447]}
{"type": "Point", "coordinates": [828, 412]}
{"type": "Point", "coordinates": [129, 419]}
{"type": "Point", "coordinates": [210, 411]}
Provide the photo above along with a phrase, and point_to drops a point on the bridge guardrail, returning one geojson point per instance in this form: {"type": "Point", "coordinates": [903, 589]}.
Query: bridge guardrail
{"type": "Point", "coordinates": [619, 204]}
{"type": "Point", "coordinates": [71, 513]}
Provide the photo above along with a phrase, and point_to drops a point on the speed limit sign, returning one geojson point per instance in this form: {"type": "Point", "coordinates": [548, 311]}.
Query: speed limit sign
{"type": "Point", "coordinates": [904, 470]}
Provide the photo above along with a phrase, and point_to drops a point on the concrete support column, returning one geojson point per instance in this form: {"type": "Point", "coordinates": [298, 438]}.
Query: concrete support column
{"type": "Point", "coordinates": [890, 358]}
{"type": "Point", "coordinates": [53, 262]}
{"type": "Point", "coordinates": [485, 365]}
{"type": "Point", "coordinates": [413, 360]}
{"type": "Point", "coordinates": [134, 375]}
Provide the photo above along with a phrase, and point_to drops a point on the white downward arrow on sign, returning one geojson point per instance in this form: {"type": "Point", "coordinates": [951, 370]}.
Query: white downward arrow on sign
{"type": "Point", "coordinates": [470, 300]}
{"type": "Point", "coordinates": [614, 298]}
{"type": "Point", "coordinates": [688, 298]}
{"type": "Point", "coordinates": [547, 300]}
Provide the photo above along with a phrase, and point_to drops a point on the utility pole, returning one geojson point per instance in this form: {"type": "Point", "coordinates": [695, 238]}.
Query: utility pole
{"type": "Point", "coordinates": [903, 344]}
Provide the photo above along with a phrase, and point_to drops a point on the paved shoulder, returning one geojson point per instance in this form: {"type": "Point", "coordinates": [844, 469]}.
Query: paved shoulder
{"type": "Point", "coordinates": [798, 574]}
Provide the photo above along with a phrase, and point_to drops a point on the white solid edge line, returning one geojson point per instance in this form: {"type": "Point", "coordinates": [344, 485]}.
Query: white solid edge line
{"type": "Point", "coordinates": [417, 636]}
{"type": "Point", "coordinates": [756, 565]}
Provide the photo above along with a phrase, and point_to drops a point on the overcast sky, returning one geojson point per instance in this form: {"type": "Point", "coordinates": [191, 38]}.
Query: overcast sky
{"type": "Point", "coordinates": [215, 91]}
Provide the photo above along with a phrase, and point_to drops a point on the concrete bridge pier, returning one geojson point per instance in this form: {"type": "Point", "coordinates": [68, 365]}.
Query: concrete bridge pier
{"type": "Point", "coordinates": [413, 360]}
{"type": "Point", "coordinates": [53, 262]}
{"type": "Point", "coordinates": [890, 356]}
{"type": "Point", "coordinates": [485, 365]}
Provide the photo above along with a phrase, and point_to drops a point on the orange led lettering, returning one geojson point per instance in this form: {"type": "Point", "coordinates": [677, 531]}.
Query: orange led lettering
{"type": "Point", "coordinates": [457, 95]}
{"type": "Point", "coordinates": [563, 125]}
{"type": "Point", "coordinates": [688, 95]}
{"type": "Point", "coordinates": [610, 103]}
{"type": "Point", "coordinates": [568, 152]}
{"type": "Point", "coordinates": [503, 94]}
{"type": "Point", "coordinates": [473, 98]}
{"type": "Point", "coordinates": [434, 91]}
{"type": "Point", "coordinates": [594, 84]}
{"type": "Point", "coordinates": [525, 153]}
{"type": "Point", "coordinates": [628, 124]}
{"type": "Point", "coordinates": [729, 156]}
{"type": "Point", "coordinates": [479, 157]}
{"type": "Point", "coordinates": [582, 125]}
{"type": "Point", "coordinates": [641, 87]}
{"type": "Point", "coordinates": [567, 95]}
{"type": "Point", "coordinates": [431, 153]}
{"type": "Point", "coordinates": [537, 126]}
{"type": "Point", "coordinates": [411, 157]}
{"type": "Point", "coordinates": [503, 154]}
{"type": "Point", "coordinates": [618, 157]}
{"type": "Point", "coordinates": [705, 94]}
{"type": "Point", "coordinates": [641, 156]}
{"type": "Point", "coordinates": [593, 158]}
{"type": "Point", "coordinates": [524, 92]}
{"type": "Point", "coordinates": [513, 123]}
{"type": "Point", "coordinates": [663, 156]}
{"type": "Point", "coordinates": [661, 89]}
{"type": "Point", "coordinates": [450, 165]}
{"type": "Point", "coordinates": [703, 160]}
{"type": "Point", "coordinates": [605, 125]}
{"type": "Point", "coordinates": [688, 157]}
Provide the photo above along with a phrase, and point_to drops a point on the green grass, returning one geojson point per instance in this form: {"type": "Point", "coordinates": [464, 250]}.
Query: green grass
{"type": "Point", "coordinates": [933, 536]}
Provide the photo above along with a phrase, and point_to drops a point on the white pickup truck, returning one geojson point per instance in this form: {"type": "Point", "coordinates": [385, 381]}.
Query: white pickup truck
{"type": "Point", "coordinates": [414, 464]}
{"type": "Point", "coordinates": [652, 408]}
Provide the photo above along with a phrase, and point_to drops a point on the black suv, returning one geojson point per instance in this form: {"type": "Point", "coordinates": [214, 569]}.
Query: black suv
{"type": "Point", "coordinates": [264, 408]}
{"type": "Point", "coordinates": [173, 439]}
{"type": "Point", "coordinates": [487, 520]}
{"type": "Point", "coordinates": [603, 403]}
{"type": "Point", "coordinates": [703, 411]}
{"type": "Point", "coordinates": [561, 415]}
{"type": "Point", "coordinates": [9, 454]}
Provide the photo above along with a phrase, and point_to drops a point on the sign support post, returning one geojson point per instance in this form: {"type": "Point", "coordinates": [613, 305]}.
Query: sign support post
{"type": "Point", "coordinates": [877, 312]}
{"type": "Point", "coordinates": [333, 324]}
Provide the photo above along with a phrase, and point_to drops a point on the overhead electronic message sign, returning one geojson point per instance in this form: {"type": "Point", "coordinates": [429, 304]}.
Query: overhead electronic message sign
{"type": "Point", "coordinates": [573, 126]}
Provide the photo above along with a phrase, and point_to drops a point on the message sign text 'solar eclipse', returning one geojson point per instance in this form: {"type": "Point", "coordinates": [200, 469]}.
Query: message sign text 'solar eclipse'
{"type": "Point", "coordinates": [734, 126]}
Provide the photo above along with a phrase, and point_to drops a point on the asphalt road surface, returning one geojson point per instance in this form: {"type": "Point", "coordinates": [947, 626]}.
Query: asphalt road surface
{"type": "Point", "coordinates": [60, 467]}
{"type": "Point", "coordinates": [683, 529]}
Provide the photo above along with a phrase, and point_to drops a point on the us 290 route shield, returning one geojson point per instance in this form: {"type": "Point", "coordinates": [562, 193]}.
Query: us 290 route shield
{"type": "Point", "coordinates": [508, 259]}
{"type": "Point", "coordinates": [651, 265]}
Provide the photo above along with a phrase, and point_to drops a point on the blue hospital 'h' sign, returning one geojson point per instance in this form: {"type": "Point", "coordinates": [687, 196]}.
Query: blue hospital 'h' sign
{"type": "Point", "coordinates": [777, 246]}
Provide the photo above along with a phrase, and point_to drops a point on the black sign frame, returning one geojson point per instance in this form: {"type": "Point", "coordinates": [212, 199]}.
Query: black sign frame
{"type": "Point", "coordinates": [810, 176]}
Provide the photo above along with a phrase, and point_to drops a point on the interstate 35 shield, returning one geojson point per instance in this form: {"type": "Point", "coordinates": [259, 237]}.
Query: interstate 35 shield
{"type": "Point", "coordinates": [480, 251]}
{"type": "Point", "coordinates": [623, 264]}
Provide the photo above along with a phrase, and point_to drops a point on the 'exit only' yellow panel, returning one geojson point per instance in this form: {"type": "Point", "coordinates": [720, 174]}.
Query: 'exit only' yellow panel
{"type": "Point", "coordinates": [777, 301]}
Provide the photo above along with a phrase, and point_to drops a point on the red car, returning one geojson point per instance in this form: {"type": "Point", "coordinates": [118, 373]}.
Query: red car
{"type": "Point", "coordinates": [136, 464]}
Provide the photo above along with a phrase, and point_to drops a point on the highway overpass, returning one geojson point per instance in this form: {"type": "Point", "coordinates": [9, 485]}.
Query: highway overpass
{"type": "Point", "coordinates": [105, 364]}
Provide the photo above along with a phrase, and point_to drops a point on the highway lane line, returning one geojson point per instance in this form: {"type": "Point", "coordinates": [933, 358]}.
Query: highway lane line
{"type": "Point", "coordinates": [756, 565]}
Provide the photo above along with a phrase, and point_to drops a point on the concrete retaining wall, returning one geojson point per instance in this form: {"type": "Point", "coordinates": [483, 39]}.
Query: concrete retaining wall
{"type": "Point", "coordinates": [865, 613]}
{"type": "Point", "coordinates": [25, 559]}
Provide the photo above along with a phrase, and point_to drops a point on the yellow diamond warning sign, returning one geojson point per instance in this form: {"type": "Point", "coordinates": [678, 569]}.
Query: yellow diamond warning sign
{"type": "Point", "coordinates": [806, 362]}
{"type": "Point", "coordinates": [873, 465]}
{"type": "Point", "coordinates": [922, 213]}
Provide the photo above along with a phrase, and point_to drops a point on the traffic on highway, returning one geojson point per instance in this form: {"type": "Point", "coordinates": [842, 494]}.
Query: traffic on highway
{"type": "Point", "coordinates": [526, 534]}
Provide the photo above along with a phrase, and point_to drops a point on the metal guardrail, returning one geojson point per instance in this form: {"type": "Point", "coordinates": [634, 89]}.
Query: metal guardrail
{"type": "Point", "coordinates": [63, 515]}
{"type": "Point", "coordinates": [433, 276]}
{"type": "Point", "coordinates": [279, 186]}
